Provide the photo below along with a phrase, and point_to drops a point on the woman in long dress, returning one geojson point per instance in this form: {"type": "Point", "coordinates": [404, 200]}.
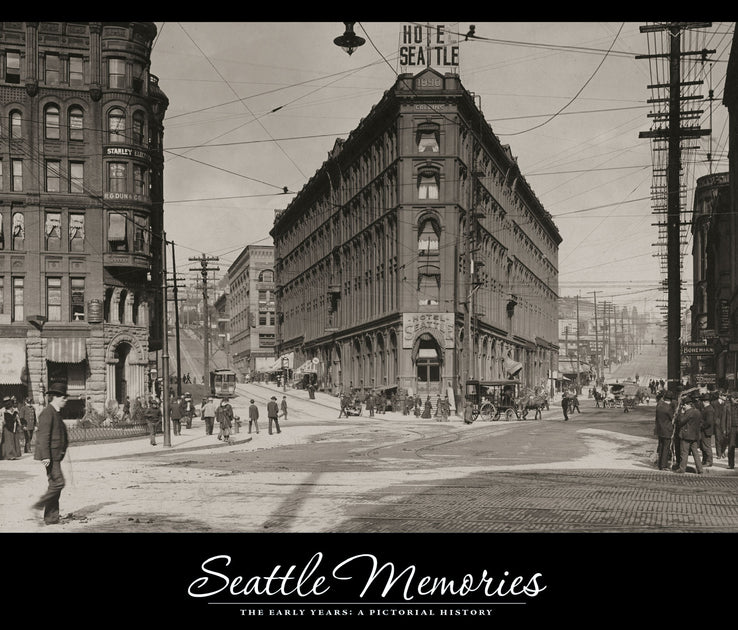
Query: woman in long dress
{"type": "Point", "coordinates": [11, 423]}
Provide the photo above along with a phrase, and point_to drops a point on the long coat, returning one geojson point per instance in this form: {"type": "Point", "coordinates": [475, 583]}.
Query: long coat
{"type": "Point", "coordinates": [689, 424]}
{"type": "Point", "coordinates": [52, 438]}
{"type": "Point", "coordinates": [708, 421]}
{"type": "Point", "coordinates": [272, 409]}
{"type": "Point", "coordinates": [664, 417]}
{"type": "Point", "coordinates": [253, 412]}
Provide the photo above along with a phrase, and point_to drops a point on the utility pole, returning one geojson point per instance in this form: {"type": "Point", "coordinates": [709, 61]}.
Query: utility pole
{"type": "Point", "coordinates": [165, 344]}
{"type": "Point", "coordinates": [597, 340]}
{"type": "Point", "coordinates": [468, 367]}
{"type": "Point", "coordinates": [673, 134]}
{"type": "Point", "coordinates": [175, 288]}
{"type": "Point", "coordinates": [579, 378]}
{"type": "Point", "coordinates": [204, 270]}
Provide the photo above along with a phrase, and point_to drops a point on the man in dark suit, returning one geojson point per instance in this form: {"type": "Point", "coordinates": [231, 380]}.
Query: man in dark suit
{"type": "Point", "coordinates": [272, 414]}
{"type": "Point", "coordinates": [707, 430]}
{"type": "Point", "coordinates": [27, 417]}
{"type": "Point", "coordinates": [51, 446]}
{"type": "Point", "coordinates": [664, 428]}
{"type": "Point", "coordinates": [688, 424]}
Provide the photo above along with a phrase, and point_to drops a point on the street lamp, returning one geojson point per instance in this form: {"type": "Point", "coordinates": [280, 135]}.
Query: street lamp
{"type": "Point", "coordinates": [349, 41]}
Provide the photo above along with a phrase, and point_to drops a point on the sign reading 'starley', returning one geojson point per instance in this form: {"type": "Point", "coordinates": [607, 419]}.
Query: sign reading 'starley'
{"type": "Point", "coordinates": [429, 46]}
{"type": "Point", "coordinates": [440, 325]}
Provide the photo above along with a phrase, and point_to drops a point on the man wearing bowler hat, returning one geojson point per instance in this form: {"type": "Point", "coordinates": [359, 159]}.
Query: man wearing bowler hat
{"type": "Point", "coordinates": [51, 446]}
{"type": "Point", "coordinates": [272, 414]}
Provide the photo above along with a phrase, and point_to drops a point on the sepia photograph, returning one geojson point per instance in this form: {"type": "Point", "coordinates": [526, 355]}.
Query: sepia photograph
{"type": "Point", "coordinates": [372, 319]}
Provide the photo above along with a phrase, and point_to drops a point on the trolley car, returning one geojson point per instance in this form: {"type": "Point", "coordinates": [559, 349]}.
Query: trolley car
{"type": "Point", "coordinates": [223, 383]}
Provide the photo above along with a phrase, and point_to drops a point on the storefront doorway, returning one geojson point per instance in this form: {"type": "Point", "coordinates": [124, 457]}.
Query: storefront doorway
{"type": "Point", "coordinates": [428, 366]}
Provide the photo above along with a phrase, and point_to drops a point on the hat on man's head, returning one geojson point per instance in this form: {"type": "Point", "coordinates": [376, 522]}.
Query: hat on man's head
{"type": "Point", "coordinates": [6, 402]}
{"type": "Point", "coordinates": [274, 398]}
{"type": "Point", "coordinates": [58, 388]}
{"type": "Point", "coordinates": [252, 401]}
{"type": "Point", "coordinates": [669, 395]}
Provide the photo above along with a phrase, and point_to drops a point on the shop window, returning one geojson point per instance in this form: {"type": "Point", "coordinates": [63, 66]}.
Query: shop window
{"type": "Point", "coordinates": [76, 70]}
{"type": "Point", "coordinates": [16, 124]}
{"type": "Point", "coordinates": [116, 73]}
{"type": "Point", "coordinates": [53, 299]}
{"type": "Point", "coordinates": [12, 67]}
{"type": "Point", "coordinates": [77, 299]}
{"type": "Point", "coordinates": [77, 232]}
{"type": "Point", "coordinates": [117, 177]}
{"type": "Point", "coordinates": [52, 69]}
{"type": "Point", "coordinates": [16, 168]}
{"type": "Point", "coordinates": [76, 123]}
{"type": "Point", "coordinates": [53, 231]}
{"type": "Point", "coordinates": [76, 177]}
{"type": "Point", "coordinates": [18, 299]}
{"type": "Point", "coordinates": [428, 184]}
{"type": "Point", "coordinates": [51, 122]}
{"type": "Point", "coordinates": [53, 176]}
{"type": "Point", "coordinates": [117, 235]}
{"type": "Point", "coordinates": [117, 125]}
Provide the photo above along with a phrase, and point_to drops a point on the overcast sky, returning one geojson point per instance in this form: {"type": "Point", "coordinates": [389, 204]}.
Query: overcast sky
{"type": "Point", "coordinates": [256, 106]}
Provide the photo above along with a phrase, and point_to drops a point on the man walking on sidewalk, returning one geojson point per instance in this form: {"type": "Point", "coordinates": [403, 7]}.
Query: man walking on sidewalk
{"type": "Point", "coordinates": [688, 426]}
{"type": "Point", "coordinates": [175, 414]}
{"type": "Point", "coordinates": [253, 416]}
{"type": "Point", "coordinates": [273, 413]}
{"type": "Point", "coordinates": [27, 417]}
{"type": "Point", "coordinates": [208, 415]}
{"type": "Point", "coordinates": [51, 447]}
{"type": "Point", "coordinates": [284, 408]}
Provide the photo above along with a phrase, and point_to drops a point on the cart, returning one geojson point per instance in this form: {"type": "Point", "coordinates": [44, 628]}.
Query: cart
{"type": "Point", "coordinates": [495, 400]}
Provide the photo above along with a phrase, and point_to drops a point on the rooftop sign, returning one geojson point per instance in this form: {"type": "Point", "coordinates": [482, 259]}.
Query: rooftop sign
{"type": "Point", "coordinates": [429, 46]}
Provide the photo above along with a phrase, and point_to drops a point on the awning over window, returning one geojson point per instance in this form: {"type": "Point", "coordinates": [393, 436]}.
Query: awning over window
{"type": "Point", "coordinates": [117, 227]}
{"type": "Point", "coordinates": [12, 361]}
{"type": "Point", "coordinates": [66, 350]}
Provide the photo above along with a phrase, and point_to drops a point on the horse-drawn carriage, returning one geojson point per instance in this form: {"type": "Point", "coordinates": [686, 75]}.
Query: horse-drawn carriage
{"type": "Point", "coordinates": [502, 399]}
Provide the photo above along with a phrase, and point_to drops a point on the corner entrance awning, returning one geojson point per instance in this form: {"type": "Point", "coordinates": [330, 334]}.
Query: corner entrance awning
{"type": "Point", "coordinates": [12, 361]}
{"type": "Point", "coordinates": [66, 350]}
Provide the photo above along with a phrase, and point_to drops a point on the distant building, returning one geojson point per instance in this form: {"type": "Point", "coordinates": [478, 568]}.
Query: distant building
{"type": "Point", "coordinates": [81, 209]}
{"type": "Point", "coordinates": [371, 257]}
{"type": "Point", "coordinates": [252, 314]}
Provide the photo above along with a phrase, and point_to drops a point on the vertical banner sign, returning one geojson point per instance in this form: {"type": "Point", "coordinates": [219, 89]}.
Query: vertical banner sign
{"type": "Point", "coordinates": [429, 46]}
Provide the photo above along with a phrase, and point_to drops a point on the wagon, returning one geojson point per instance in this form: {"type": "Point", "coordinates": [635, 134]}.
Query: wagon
{"type": "Point", "coordinates": [495, 400]}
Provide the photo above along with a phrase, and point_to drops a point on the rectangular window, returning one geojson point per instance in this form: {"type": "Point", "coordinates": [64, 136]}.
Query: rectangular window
{"type": "Point", "coordinates": [139, 180]}
{"type": "Point", "coordinates": [140, 235]}
{"type": "Point", "coordinates": [117, 232]}
{"type": "Point", "coordinates": [18, 299]}
{"type": "Point", "coordinates": [76, 177]}
{"type": "Point", "coordinates": [12, 67]}
{"type": "Point", "coordinates": [53, 176]}
{"type": "Point", "coordinates": [1, 175]}
{"type": "Point", "coordinates": [77, 299]}
{"type": "Point", "coordinates": [76, 70]}
{"type": "Point", "coordinates": [53, 299]}
{"type": "Point", "coordinates": [76, 232]}
{"type": "Point", "coordinates": [262, 318]}
{"type": "Point", "coordinates": [53, 231]}
{"type": "Point", "coordinates": [53, 69]}
{"type": "Point", "coordinates": [117, 177]}
{"type": "Point", "coordinates": [16, 167]}
{"type": "Point", "coordinates": [116, 73]}
{"type": "Point", "coordinates": [2, 295]}
{"type": "Point", "coordinates": [427, 187]}
{"type": "Point", "coordinates": [76, 124]}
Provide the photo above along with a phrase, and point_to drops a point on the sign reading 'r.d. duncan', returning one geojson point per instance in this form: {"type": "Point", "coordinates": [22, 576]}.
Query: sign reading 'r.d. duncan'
{"type": "Point", "coordinates": [440, 325]}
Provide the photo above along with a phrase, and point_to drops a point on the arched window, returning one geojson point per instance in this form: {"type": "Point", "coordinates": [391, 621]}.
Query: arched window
{"type": "Point", "coordinates": [16, 124]}
{"type": "Point", "coordinates": [427, 138]}
{"type": "Point", "coordinates": [428, 238]}
{"type": "Point", "coordinates": [51, 122]}
{"type": "Point", "coordinates": [428, 184]}
{"type": "Point", "coordinates": [76, 123]}
{"type": "Point", "coordinates": [117, 125]}
{"type": "Point", "coordinates": [266, 276]}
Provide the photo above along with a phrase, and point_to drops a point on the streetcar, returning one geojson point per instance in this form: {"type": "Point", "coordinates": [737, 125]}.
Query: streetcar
{"type": "Point", "coordinates": [223, 383]}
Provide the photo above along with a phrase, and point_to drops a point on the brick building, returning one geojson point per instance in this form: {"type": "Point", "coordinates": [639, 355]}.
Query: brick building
{"type": "Point", "coordinates": [252, 310]}
{"type": "Point", "coordinates": [81, 208]}
{"type": "Point", "coordinates": [372, 257]}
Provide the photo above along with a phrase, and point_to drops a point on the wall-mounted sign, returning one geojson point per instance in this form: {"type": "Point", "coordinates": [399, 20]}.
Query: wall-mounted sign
{"type": "Point", "coordinates": [429, 46]}
{"type": "Point", "coordinates": [126, 152]}
{"type": "Point", "coordinates": [119, 196]}
{"type": "Point", "coordinates": [724, 317]}
{"type": "Point", "coordinates": [440, 325]}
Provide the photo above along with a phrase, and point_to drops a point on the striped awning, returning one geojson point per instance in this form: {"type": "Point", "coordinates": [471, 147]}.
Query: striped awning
{"type": "Point", "coordinates": [66, 350]}
{"type": "Point", "coordinates": [12, 361]}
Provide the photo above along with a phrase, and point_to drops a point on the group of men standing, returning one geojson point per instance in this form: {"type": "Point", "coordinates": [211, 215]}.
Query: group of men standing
{"type": "Point", "coordinates": [694, 424]}
{"type": "Point", "coordinates": [274, 411]}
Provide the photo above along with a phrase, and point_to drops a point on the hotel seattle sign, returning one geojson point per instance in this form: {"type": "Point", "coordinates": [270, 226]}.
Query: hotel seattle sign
{"type": "Point", "coordinates": [440, 325]}
{"type": "Point", "coordinates": [429, 46]}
